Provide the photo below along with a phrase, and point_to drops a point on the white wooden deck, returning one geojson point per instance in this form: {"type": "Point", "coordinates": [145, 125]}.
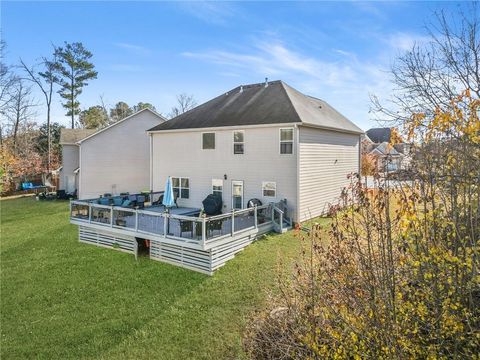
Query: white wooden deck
{"type": "Point", "coordinates": [178, 237]}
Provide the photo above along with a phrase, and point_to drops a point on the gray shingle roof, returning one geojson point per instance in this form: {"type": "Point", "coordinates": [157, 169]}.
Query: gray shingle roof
{"type": "Point", "coordinates": [255, 104]}
{"type": "Point", "coordinates": [379, 135]}
{"type": "Point", "coordinates": [72, 136]}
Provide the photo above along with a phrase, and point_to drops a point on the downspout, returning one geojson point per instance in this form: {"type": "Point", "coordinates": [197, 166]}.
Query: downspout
{"type": "Point", "coordinates": [80, 170]}
{"type": "Point", "coordinates": [151, 161]}
{"type": "Point", "coordinates": [360, 157]}
{"type": "Point", "coordinates": [296, 215]}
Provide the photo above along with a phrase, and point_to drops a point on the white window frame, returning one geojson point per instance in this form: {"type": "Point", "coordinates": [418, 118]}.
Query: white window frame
{"type": "Point", "coordinates": [218, 191]}
{"type": "Point", "coordinates": [237, 182]}
{"type": "Point", "coordinates": [214, 140]}
{"type": "Point", "coordinates": [238, 142]}
{"type": "Point", "coordinates": [275, 189]}
{"type": "Point", "coordinates": [180, 187]}
{"type": "Point", "coordinates": [280, 141]}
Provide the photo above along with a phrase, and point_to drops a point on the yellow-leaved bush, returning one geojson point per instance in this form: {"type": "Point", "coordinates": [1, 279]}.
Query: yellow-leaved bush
{"type": "Point", "coordinates": [396, 276]}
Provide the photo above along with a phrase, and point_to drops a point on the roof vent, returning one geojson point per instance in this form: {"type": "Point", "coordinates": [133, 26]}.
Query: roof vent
{"type": "Point", "coordinates": [266, 82]}
{"type": "Point", "coordinates": [241, 89]}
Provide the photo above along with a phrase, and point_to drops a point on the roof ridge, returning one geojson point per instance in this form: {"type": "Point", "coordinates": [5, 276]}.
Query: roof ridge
{"type": "Point", "coordinates": [290, 100]}
{"type": "Point", "coordinates": [121, 121]}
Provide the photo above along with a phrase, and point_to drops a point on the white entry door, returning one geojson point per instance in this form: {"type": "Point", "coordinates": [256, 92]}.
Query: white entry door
{"type": "Point", "coordinates": [237, 194]}
{"type": "Point", "coordinates": [70, 184]}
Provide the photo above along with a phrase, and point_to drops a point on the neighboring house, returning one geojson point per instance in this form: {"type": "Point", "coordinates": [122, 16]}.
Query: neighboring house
{"type": "Point", "coordinates": [68, 174]}
{"type": "Point", "coordinates": [266, 141]}
{"type": "Point", "coordinates": [116, 158]}
{"type": "Point", "coordinates": [377, 143]}
{"type": "Point", "coordinates": [387, 157]}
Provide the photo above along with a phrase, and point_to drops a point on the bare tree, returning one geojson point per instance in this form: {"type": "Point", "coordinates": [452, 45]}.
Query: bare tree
{"type": "Point", "coordinates": [103, 105]}
{"type": "Point", "coordinates": [45, 80]}
{"type": "Point", "coordinates": [6, 82]}
{"type": "Point", "coordinates": [19, 108]}
{"type": "Point", "coordinates": [185, 102]}
{"type": "Point", "coordinates": [428, 76]}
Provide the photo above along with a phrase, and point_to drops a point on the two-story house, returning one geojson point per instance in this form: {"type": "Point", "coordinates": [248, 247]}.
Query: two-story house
{"type": "Point", "coordinates": [289, 152]}
{"type": "Point", "coordinates": [262, 141]}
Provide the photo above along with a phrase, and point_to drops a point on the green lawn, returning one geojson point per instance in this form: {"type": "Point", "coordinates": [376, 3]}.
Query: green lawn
{"type": "Point", "coordinates": [64, 299]}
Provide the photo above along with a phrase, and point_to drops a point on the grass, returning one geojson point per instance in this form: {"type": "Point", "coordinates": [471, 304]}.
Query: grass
{"type": "Point", "coordinates": [64, 299]}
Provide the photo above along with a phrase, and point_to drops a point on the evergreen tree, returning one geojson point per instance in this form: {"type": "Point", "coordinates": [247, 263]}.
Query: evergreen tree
{"type": "Point", "coordinates": [74, 70]}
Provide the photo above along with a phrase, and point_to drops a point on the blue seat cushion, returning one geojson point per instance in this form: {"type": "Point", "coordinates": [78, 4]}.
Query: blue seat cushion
{"type": "Point", "coordinates": [126, 203]}
{"type": "Point", "coordinates": [104, 201]}
{"type": "Point", "coordinates": [117, 201]}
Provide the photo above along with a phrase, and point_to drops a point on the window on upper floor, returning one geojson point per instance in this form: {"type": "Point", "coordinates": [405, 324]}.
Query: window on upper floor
{"type": "Point", "coordinates": [238, 142]}
{"type": "Point", "coordinates": [208, 141]}
{"type": "Point", "coordinates": [286, 141]}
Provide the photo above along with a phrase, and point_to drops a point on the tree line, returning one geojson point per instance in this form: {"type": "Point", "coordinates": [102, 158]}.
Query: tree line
{"type": "Point", "coordinates": [29, 148]}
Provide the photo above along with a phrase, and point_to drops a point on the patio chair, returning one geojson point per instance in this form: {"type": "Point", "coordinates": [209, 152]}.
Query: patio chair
{"type": "Point", "coordinates": [62, 195]}
{"type": "Point", "coordinates": [141, 201]}
{"type": "Point", "coordinates": [117, 201]}
{"type": "Point", "coordinates": [126, 203]}
{"type": "Point", "coordinates": [133, 200]}
{"type": "Point", "coordinates": [104, 201]}
{"type": "Point", "coordinates": [158, 201]}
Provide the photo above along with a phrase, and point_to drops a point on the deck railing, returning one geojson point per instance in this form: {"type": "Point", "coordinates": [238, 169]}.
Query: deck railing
{"type": "Point", "coordinates": [197, 230]}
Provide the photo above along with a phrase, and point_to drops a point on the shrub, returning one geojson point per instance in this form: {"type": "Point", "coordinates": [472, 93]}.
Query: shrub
{"type": "Point", "coordinates": [398, 274]}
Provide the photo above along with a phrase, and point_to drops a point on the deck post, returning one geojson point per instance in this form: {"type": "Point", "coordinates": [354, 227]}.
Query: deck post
{"type": "Point", "coordinates": [281, 222]}
{"type": "Point", "coordinates": [233, 221]}
{"type": "Point", "coordinates": [111, 216]}
{"type": "Point", "coordinates": [204, 229]}
{"type": "Point", "coordinates": [255, 216]}
{"type": "Point", "coordinates": [136, 220]}
{"type": "Point", "coordinates": [89, 213]}
{"type": "Point", "coordinates": [165, 219]}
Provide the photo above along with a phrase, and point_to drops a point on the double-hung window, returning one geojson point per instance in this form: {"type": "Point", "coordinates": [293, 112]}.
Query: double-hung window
{"type": "Point", "coordinates": [208, 141]}
{"type": "Point", "coordinates": [181, 187]}
{"type": "Point", "coordinates": [269, 188]}
{"type": "Point", "coordinates": [217, 187]}
{"type": "Point", "coordinates": [238, 142]}
{"type": "Point", "coordinates": [286, 141]}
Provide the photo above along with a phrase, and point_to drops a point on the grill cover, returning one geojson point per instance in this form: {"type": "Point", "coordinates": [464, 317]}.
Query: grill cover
{"type": "Point", "coordinates": [253, 202]}
{"type": "Point", "coordinates": [212, 205]}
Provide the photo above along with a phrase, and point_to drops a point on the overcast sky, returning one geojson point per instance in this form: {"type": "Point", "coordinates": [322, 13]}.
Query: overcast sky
{"type": "Point", "coordinates": [151, 51]}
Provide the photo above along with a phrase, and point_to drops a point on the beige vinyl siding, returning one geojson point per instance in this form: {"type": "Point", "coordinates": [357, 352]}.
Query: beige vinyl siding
{"type": "Point", "coordinates": [117, 159]}
{"type": "Point", "coordinates": [325, 160]}
{"type": "Point", "coordinates": [69, 164]}
{"type": "Point", "coordinates": [180, 154]}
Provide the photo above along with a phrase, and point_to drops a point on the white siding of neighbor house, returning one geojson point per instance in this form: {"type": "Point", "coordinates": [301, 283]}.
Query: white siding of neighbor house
{"type": "Point", "coordinates": [180, 154]}
{"type": "Point", "coordinates": [69, 164]}
{"type": "Point", "coordinates": [325, 160]}
{"type": "Point", "coordinates": [117, 159]}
